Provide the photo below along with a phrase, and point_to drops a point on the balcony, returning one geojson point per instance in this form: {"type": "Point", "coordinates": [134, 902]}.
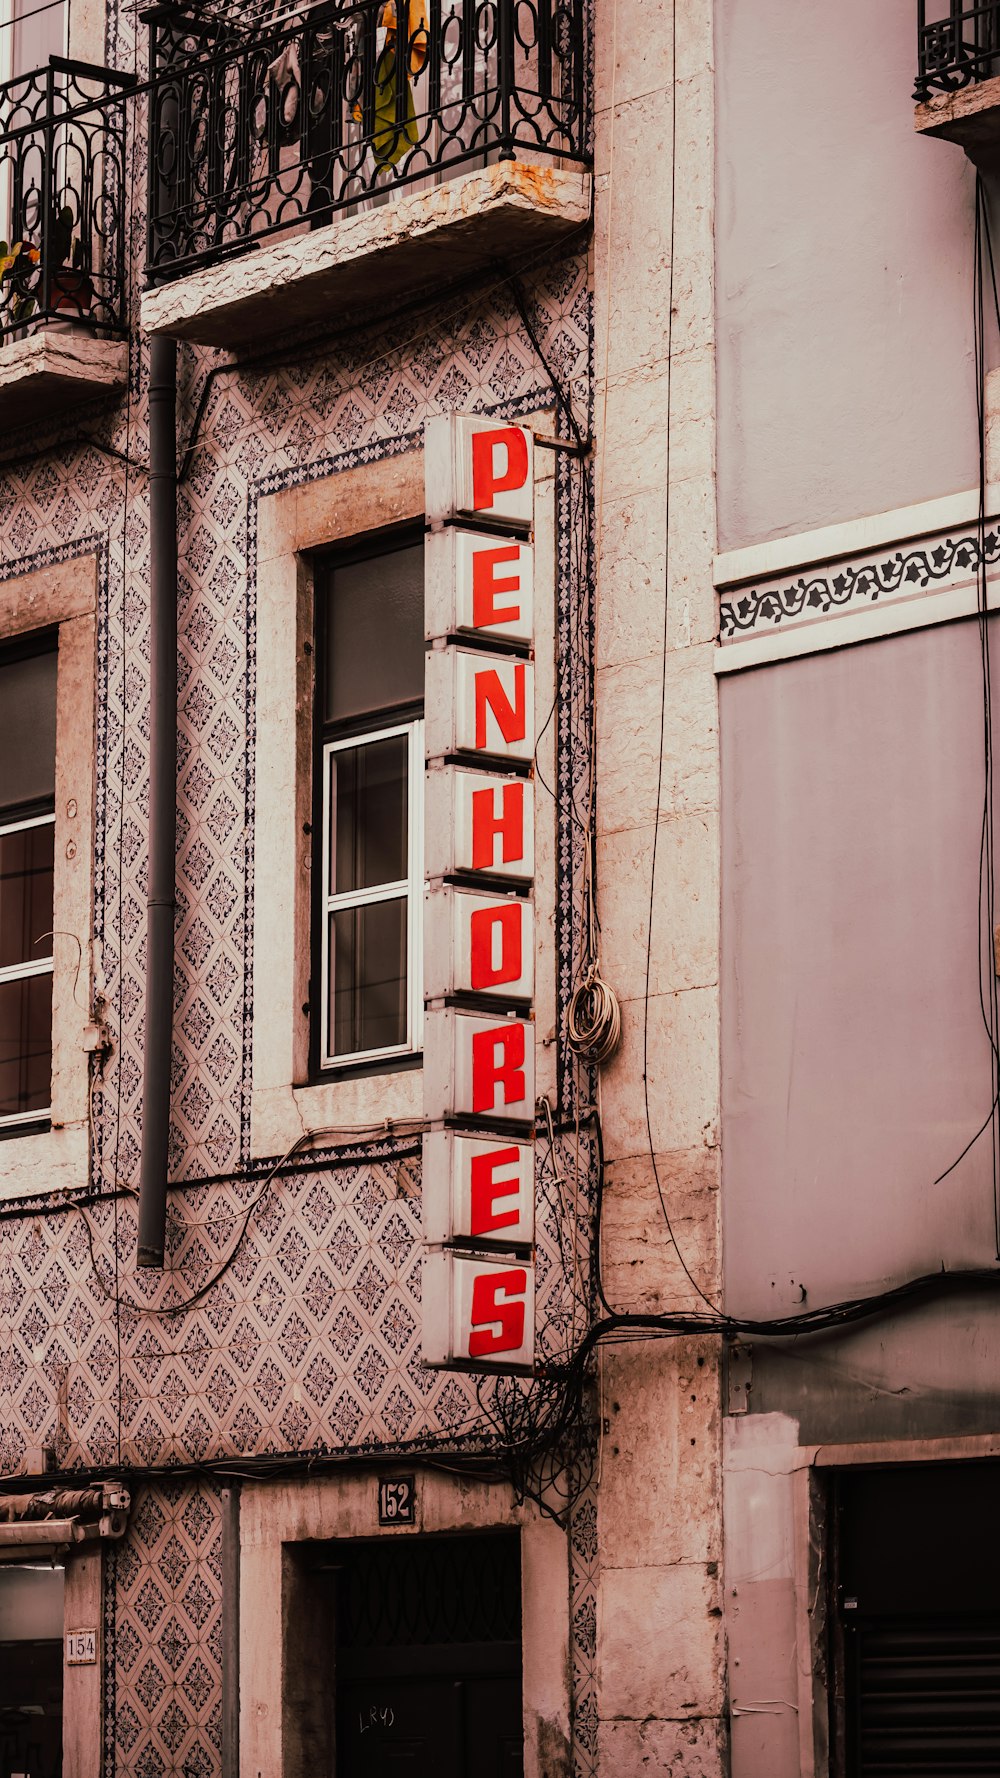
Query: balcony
{"type": "Point", "coordinates": [322, 162]}
{"type": "Point", "coordinates": [957, 89]}
{"type": "Point", "coordinates": [62, 255]}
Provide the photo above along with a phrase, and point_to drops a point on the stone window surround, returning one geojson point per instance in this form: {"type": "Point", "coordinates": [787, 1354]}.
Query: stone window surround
{"type": "Point", "coordinates": [279, 1631]}
{"type": "Point", "coordinates": [63, 597]}
{"type": "Point", "coordinates": [292, 525]}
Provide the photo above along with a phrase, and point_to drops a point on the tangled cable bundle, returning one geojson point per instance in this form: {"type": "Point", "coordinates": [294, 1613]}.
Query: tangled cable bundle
{"type": "Point", "coordinates": [594, 1020]}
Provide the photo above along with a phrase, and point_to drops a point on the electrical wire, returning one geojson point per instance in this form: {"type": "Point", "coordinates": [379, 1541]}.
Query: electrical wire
{"type": "Point", "coordinates": [987, 955]}
{"type": "Point", "coordinates": [663, 692]}
{"type": "Point", "coordinates": [22, 18]}
{"type": "Point", "coordinates": [127, 224]}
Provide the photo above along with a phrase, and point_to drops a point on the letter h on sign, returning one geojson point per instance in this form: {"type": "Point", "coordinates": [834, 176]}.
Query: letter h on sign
{"type": "Point", "coordinates": [479, 1043]}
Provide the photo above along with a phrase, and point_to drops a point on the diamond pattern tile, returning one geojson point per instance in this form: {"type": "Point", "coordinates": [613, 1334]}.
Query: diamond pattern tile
{"type": "Point", "coordinates": [311, 1340]}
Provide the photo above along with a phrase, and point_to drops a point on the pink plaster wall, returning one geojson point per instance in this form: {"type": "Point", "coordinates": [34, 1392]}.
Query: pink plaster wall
{"type": "Point", "coordinates": [855, 1061]}
{"type": "Point", "coordinates": [844, 263]}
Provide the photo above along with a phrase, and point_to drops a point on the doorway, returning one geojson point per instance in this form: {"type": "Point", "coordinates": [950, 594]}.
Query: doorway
{"type": "Point", "coordinates": [428, 1657]}
{"type": "Point", "coordinates": [916, 1617]}
{"type": "Point", "coordinates": [31, 1669]}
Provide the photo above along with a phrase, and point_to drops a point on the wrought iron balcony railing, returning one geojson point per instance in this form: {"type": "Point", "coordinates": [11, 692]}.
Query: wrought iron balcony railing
{"type": "Point", "coordinates": [956, 45]}
{"type": "Point", "coordinates": [329, 110]}
{"type": "Point", "coordinates": [62, 186]}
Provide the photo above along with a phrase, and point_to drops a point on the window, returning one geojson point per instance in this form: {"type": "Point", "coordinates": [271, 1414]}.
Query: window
{"type": "Point", "coordinates": [27, 859]}
{"type": "Point", "coordinates": [31, 1668]}
{"type": "Point", "coordinates": [33, 33]}
{"type": "Point", "coordinates": [370, 648]}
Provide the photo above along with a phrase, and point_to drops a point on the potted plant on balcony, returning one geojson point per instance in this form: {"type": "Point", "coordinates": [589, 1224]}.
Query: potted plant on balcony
{"type": "Point", "coordinates": [70, 287]}
{"type": "Point", "coordinates": [18, 273]}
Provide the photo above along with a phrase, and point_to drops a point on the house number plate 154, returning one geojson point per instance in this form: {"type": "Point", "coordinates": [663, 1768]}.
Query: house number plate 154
{"type": "Point", "coordinates": [81, 1648]}
{"type": "Point", "coordinates": [397, 1500]}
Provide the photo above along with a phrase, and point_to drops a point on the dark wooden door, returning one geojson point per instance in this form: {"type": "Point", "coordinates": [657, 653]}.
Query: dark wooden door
{"type": "Point", "coordinates": [428, 1660]}
{"type": "Point", "coordinates": [430, 1728]}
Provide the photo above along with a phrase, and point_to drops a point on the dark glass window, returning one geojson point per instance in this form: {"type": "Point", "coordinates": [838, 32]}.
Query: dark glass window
{"type": "Point", "coordinates": [27, 854]}
{"type": "Point", "coordinates": [370, 701]}
{"type": "Point", "coordinates": [375, 634]}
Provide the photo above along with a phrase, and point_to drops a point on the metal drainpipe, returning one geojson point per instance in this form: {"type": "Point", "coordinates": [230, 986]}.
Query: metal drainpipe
{"type": "Point", "coordinates": [160, 901]}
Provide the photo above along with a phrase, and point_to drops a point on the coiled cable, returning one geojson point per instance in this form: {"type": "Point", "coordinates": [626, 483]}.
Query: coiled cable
{"type": "Point", "coordinates": [594, 1020]}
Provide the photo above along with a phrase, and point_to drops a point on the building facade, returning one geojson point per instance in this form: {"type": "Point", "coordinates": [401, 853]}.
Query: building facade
{"type": "Point", "coordinates": [498, 1080]}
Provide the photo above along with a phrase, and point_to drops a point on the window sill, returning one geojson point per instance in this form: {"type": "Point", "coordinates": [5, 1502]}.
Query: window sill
{"type": "Point", "coordinates": [35, 1126]}
{"type": "Point", "coordinates": [358, 1099]}
{"type": "Point", "coordinates": [55, 369]}
{"type": "Point", "coordinates": [50, 1159]}
{"type": "Point", "coordinates": [367, 1067]}
{"type": "Point", "coordinates": [417, 240]}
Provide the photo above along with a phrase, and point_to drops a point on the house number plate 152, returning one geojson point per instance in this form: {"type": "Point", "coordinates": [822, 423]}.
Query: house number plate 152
{"type": "Point", "coordinates": [397, 1500]}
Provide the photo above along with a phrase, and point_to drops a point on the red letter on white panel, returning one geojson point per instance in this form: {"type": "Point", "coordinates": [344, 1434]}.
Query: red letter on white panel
{"type": "Point", "coordinates": [479, 1188]}
{"type": "Point", "coordinates": [486, 1191]}
{"type": "Point", "coordinates": [506, 825]}
{"type": "Point", "coordinates": [499, 464]}
{"type": "Point", "coordinates": [489, 585]}
{"type": "Point", "coordinates": [478, 1310]}
{"type": "Point", "coordinates": [510, 718]}
{"type": "Point", "coordinates": [498, 1072]}
{"type": "Point", "coordinates": [496, 948]}
{"type": "Point", "coordinates": [498, 1312]}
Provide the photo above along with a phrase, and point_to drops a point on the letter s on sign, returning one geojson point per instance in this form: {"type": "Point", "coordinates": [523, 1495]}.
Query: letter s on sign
{"type": "Point", "coordinates": [498, 1312]}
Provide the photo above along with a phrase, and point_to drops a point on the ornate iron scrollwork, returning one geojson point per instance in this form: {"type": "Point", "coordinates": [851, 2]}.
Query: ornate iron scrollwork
{"type": "Point", "coordinates": [251, 136]}
{"type": "Point", "coordinates": [62, 186]}
{"type": "Point", "coordinates": [958, 47]}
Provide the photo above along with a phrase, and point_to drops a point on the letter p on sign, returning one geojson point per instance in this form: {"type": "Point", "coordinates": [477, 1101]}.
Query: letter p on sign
{"type": "Point", "coordinates": [477, 468]}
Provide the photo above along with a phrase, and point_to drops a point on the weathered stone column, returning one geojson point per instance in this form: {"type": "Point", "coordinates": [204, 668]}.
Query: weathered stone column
{"type": "Point", "coordinates": [660, 1652]}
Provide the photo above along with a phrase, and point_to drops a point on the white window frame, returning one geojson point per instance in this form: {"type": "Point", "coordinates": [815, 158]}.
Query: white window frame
{"type": "Point", "coordinates": [19, 972]}
{"type": "Point", "coordinates": [410, 888]}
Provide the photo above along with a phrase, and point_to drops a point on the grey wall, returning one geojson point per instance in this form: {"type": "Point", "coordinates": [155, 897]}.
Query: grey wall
{"type": "Point", "coordinates": [844, 259]}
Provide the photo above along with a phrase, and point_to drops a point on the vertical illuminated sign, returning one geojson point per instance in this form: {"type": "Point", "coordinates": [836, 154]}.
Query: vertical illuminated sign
{"type": "Point", "coordinates": [479, 946]}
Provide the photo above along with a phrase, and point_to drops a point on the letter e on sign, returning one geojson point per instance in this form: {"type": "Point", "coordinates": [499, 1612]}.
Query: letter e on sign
{"type": "Point", "coordinates": [494, 586]}
{"type": "Point", "coordinates": [478, 1188]}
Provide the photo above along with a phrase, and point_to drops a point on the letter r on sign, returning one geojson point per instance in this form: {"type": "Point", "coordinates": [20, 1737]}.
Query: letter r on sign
{"type": "Point", "coordinates": [498, 1076]}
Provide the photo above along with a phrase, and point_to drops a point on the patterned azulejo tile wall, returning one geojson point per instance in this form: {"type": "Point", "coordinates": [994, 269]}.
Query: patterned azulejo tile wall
{"type": "Point", "coordinates": [310, 1341]}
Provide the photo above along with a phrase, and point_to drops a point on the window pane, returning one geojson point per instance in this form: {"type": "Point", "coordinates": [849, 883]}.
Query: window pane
{"type": "Point", "coordinates": [368, 815]}
{"type": "Point", "coordinates": [27, 729]}
{"type": "Point", "coordinates": [368, 977]}
{"type": "Point", "coordinates": [25, 1044]}
{"type": "Point", "coordinates": [26, 859]}
{"type": "Point", "coordinates": [31, 1670]}
{"type": "Point", "coordinates": [38, 34]}
{"type": "Point", "coordinates": [375, 634]}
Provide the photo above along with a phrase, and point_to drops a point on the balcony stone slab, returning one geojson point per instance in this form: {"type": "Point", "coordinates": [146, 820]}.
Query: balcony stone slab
{"type": "Point", "coordinates": [418, 240]}
{"type": "Point", "coordinates": [970, 117]}
{"type": "Point", "coordinates": [56, 368]}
